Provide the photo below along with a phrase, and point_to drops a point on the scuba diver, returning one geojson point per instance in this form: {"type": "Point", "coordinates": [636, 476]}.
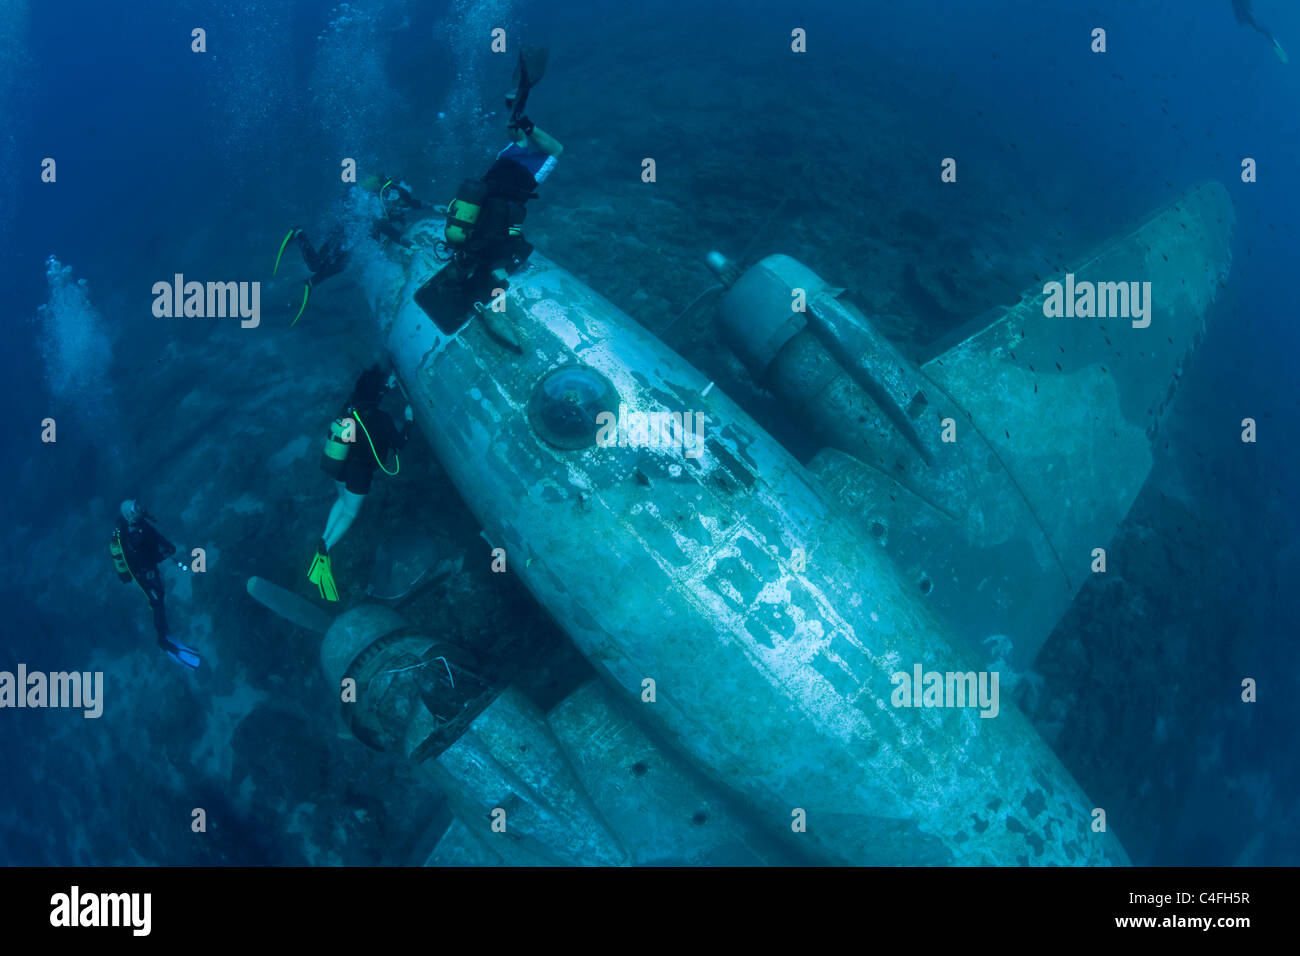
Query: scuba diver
{"type": "Point", "coordinates": [395, 201]}
{"type": "Point", "coordinates": [485, 221]}
{"type": "Point", "coordinates": [137, 550]}
{"type": "Point", "coordinates": [1246, 18]}
{"type": "Point", "coordinates": [362, 424]}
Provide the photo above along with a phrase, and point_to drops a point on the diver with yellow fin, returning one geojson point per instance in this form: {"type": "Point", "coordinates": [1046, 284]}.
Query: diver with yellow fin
{"type": "Point", "coordinates": [359, 442]}
{"type": "Point", "coordinates": [331, 258]}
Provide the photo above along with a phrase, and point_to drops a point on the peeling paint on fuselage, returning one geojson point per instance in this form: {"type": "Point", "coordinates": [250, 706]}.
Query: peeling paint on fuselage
{"type": "Point", "coordinates": [776, 682]}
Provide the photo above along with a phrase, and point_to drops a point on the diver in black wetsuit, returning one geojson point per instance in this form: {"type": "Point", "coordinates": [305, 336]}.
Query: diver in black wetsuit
{"type": "Point", "coordinates": [494, 245]}
{"type": "Point", "coordinates": [485, 222]}
{"type": "Point", "coordinates": [326, 261]}
{"type": "Point", "coordinates": [1241, 8]}
{"type": "Point", "coordinates": [138, 548]}
{"type": "Point", "coordinates": [331, 257]}
{"type": "Point", "coordinates": [352, 465]}
{"type": "Point", "coordinates": [398, 203]}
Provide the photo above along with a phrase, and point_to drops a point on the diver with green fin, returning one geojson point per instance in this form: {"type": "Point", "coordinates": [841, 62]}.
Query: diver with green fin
{"type": "Point", "coordinates": [359, 442]}
{"type": "Point", "coordinates": [1246, 18]}
{"type": "Point", "coordinates": [137, 549]}
{"type": "Point", "coordinates": [396, 202]}
{"type": "Point", "coordinates": [484, 229]}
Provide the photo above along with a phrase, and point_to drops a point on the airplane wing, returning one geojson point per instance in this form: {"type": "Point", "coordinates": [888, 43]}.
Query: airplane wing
{"type": "Point", "coordinates": [1055, 419]}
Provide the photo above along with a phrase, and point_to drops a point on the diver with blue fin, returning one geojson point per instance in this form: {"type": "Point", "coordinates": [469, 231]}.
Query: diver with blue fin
{"type": "Point", "coordinates": [331, 257]}
{"type": "Point", "coordinates": [484, 229]}
{"type": "Point", "coordinates": [1247, 19]}
{"type": "Point", "coordinates": [138, 548]}
{"type": "Point", "coordinates": [359, 443]}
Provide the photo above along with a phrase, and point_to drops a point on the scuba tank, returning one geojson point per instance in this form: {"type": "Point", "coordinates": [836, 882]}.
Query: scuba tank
{"type": "Point", "coordinates": [337, 443]}
{"type": "Point", "coordinates": [340, 440]}
{"type": "Point", "coordinates": [119, 558]}
{"type": "Point", "coordinates": [462, 212]}
{"type": "Point", "coordinates": [515, 212]}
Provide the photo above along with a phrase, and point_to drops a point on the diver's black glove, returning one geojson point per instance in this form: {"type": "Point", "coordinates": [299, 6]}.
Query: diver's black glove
{"type": "Point", "coordinates": [524, 124]}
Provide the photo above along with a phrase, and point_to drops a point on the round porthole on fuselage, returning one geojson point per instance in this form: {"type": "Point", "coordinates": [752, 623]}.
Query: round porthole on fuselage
{"type": "Point", "coordinates": [566, 402]}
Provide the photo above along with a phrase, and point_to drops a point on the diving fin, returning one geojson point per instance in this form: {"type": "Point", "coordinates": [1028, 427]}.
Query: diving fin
{"type": "Point", "coordinates": [322, 576]}
{"type": "Point", "coordinates": [287, 236]}
{"type": "Point", "coordinates": [328, 589]}
{"type": "Point", "coordinates": [528, 71]}
{"type": "Point", "coordinates": [532, 64]}
{"type": "Point", "coordinates": [182, 654]}
{"type": "Point", "coordinates": [1281, 53]}
{"type": "Point", "coordinates": [306, 294]}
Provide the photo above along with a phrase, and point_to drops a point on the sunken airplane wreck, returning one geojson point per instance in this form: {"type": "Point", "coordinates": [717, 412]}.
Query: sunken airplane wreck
{"type": "Point", "coordinates": [746, 612]}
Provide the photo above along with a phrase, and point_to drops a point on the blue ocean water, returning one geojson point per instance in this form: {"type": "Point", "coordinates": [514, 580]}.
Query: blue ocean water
{"type": "Point", "coordinates": [173, 161]}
